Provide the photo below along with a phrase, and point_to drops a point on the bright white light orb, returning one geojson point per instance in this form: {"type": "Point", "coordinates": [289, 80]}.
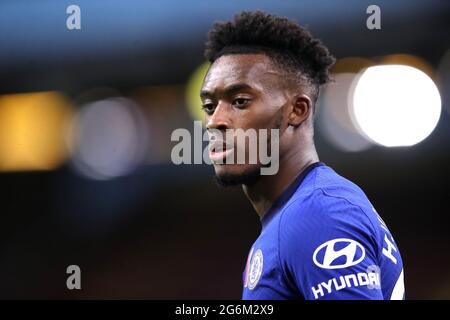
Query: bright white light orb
{"type": "Point", "coordinates": [396, 105]}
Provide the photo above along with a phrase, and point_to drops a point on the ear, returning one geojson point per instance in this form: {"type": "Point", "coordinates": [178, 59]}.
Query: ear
{"type": "Point", "coordinates": [301, 108]}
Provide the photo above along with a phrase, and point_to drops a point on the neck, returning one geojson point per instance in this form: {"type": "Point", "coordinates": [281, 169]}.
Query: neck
{"type": "Point", "coordinates": [268, 188]}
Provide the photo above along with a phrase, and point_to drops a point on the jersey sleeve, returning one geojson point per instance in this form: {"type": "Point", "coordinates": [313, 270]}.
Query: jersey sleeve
{"type": "Point", "coordinates": [328, 249]}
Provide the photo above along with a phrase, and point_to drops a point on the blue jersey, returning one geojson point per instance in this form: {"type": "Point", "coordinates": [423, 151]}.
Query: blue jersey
{"type": "Point", "coordinates": [323, 239]}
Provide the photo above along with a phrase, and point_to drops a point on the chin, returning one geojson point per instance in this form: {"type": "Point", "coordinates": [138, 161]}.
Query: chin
{"type": "Point", "coordinates": [234, 175]}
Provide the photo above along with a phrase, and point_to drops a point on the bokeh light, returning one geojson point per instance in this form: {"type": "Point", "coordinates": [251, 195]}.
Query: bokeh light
{"type": "Point", "coordinates": [351, 65]}
{"type": "Point", "coordinates": [108, 138]}
{"type": "Point", "coordinates": [409, 60]}
{"type": "Point", "coordinates": [335, 121]}
{"type": "Point", "coordinates": [396, 105]}
{"type": "Point", "coordinates": [193, 88]}
{"type": "Point", "coordinates": [335, 104]}
{"type": "Point", "coordinates": [32, 131]}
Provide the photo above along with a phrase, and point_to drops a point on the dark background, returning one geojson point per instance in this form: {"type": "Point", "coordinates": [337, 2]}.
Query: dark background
{"type": "Point", "coordinates": [167, 231]}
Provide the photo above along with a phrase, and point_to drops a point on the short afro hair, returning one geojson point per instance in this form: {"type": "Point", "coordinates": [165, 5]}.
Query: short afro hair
{"type": "Point", "coordinates": [290, 46]}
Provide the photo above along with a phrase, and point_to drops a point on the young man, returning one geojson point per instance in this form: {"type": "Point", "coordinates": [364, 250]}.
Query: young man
{"type": "Point", "coordinates": [321, 237]}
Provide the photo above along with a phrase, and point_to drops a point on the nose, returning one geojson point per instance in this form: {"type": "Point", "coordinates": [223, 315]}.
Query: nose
{"type": "Point", "coordinates": [220, 119]}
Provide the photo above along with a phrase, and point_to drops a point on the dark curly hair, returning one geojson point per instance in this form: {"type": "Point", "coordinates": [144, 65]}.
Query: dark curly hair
{"type": "Point", "coordinates": [291, 47]}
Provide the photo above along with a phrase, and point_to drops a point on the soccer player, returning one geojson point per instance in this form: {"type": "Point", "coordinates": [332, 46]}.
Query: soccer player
{"type": "Point", "coordinates": [321, 237]}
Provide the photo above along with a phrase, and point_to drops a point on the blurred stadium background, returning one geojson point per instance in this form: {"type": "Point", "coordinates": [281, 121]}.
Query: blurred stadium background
{"type": "Point", "coordinates": [85, 123]}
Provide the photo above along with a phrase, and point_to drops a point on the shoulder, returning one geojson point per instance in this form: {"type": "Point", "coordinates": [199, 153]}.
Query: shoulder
{"type": "Point", "coordinates": [320, 216]}
{"type": "Point", "coordinates": [328, 207]}
{"type": "Point", "coordinates": [328, 197]}
{"type": "Point", "coordinates": [329, 233]}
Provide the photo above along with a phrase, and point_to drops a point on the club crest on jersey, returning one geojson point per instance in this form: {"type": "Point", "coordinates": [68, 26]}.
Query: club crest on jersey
{"type": "Point", "coordinates": [255, 269]}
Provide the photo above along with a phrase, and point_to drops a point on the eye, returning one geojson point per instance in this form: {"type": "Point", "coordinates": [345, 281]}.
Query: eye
{"type": "Point", "coordinates": [208, 108]}
{"type": "Point", "coordinates": [241, 102]}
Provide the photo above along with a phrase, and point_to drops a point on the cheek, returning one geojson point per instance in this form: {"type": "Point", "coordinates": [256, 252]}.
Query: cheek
{"type": "Point", "coordinates": [260, 117]}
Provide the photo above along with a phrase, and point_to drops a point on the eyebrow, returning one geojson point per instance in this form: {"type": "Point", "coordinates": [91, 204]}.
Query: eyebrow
{"type": "Point", "coordinates": [230, 89]}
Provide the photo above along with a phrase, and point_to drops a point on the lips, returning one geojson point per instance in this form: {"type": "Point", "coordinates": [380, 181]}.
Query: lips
{"type": "Point", "coordinates": [219, 150]}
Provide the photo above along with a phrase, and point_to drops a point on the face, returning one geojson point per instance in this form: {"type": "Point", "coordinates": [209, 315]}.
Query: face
{"type": "Point", "coordinates": [242, 91]}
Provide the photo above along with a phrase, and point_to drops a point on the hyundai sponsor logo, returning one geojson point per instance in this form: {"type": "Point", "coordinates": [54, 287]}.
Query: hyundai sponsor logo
{"type": "Point", "coordinates": [339, 253]}
{"type": "Point", "coordinates": [369, 279]}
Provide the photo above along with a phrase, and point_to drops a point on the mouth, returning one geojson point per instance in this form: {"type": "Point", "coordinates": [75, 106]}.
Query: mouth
{"type": "Point", "coordinates": [219, 151]}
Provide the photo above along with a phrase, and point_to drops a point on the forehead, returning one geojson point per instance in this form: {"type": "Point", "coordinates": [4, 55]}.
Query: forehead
{"type": "Point", "coordinates": [257, 70]}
